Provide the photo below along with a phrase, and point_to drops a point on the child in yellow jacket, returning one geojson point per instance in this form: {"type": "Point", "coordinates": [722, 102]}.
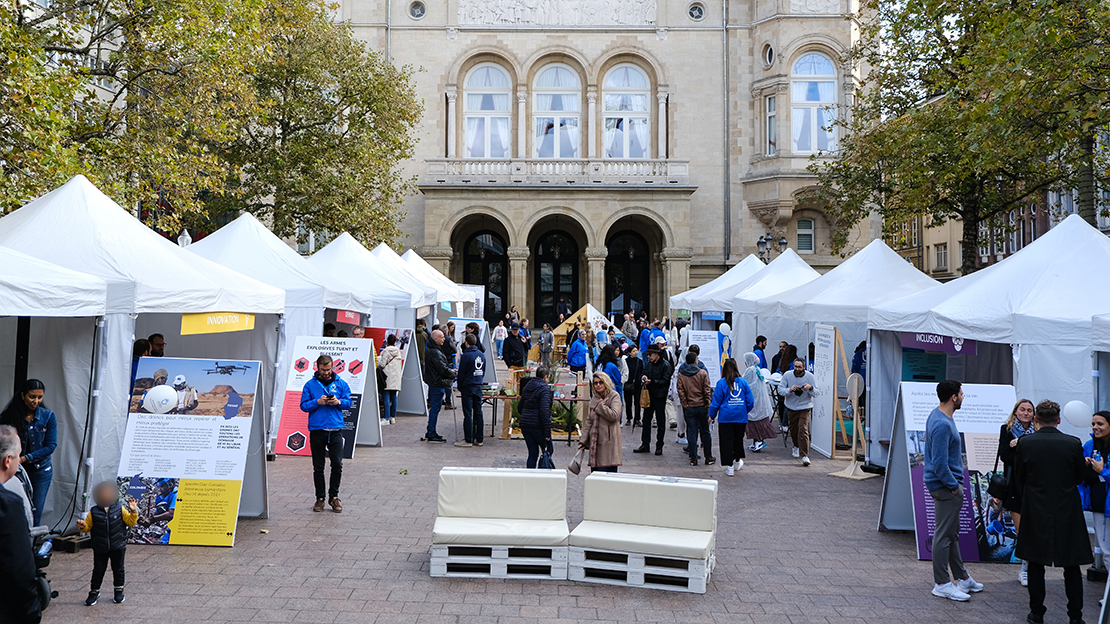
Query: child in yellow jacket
{"type": "Point", "coordinates": [108, 522]}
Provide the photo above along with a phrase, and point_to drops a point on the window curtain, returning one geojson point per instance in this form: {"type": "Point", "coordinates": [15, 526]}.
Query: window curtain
{"type": "Point", "coordinates": [475, 139]}
{"type": "Point", "coordinates": [570, 150]}
{"type": "Point", "coordinates": [640, 127]}
{"type": "Point", "coordinates": [804, 91]}
{"type": "Point", "coordinates": [499, 130]}
{"type": "Point", "coordinates": [800, 125]}
{"type": "Point", "coordinates": [612, 147]}
{"type": "Point", "coordinates": [543, 101]}
{"type": "Point", "coordinates": [826, 135]}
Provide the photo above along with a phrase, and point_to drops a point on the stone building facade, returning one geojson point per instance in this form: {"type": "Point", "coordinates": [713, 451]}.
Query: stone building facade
{"type": "Point", "coordinates": [613, 151]}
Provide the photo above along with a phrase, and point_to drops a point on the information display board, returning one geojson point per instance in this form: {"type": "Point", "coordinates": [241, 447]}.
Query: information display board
{"type": "Point", "coordinates": [822, 435]}
{"type": "Point", "coordinates": [712, 355]}
{"type": "Point", "coordinates": [184, 452]}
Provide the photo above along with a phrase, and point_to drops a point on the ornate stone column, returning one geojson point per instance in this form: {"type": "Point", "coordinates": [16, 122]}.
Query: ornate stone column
{"type": "Point", "coordinates": [522, 124]}
{"type": "Point", "coordinates": [676, 272]}
{"type": "Point", "coordinates": [451, 138]}
{"type": "Point", "coordinates": [591, 119]}
{"type": "Point", "coordinates": [595, 278]}
{"type": "Point", "coordinates": [518, 280]}
{"type": "Point", "coordinates": [661, 150]}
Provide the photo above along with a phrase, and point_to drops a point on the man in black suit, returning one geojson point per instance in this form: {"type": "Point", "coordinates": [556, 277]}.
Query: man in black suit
{"type": "Point", "coordinates": [1047, 468]}
{"type": "Point", "coordinates": [19, 594]}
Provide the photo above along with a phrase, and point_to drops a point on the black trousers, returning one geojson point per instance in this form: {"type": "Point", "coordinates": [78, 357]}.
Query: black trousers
{"type": "Point", "coordinates": [100, 565]}
{"type": "Point", "coordinates": [657, 409]}
{"type": "Point", "coordinates": [326, 444]}
{"type": "Point", "coordinates": [1073, 587]}
{"type": "Point", "coordinates": [631, 398]}
{"type": "Point", "coordinates": [731, 441]}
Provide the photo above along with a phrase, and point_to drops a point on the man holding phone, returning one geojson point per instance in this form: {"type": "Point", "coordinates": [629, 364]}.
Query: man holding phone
{"type": "Point", "coordinates": [324, 398]}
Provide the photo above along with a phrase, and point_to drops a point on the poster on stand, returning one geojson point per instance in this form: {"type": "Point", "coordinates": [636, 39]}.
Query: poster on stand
{"type": "Point", "coordinates": [986, 531]}
{"type": "Point", "coordinates": [712, 355]}
{"type": "Point", "coordinates": [353, 362]}
{"type": "Point", "coordinates": [822, 435]}
{"type": "Point", "coordinates": [184, 453]}
{"type": "Point", "coordinates": [484, 339]}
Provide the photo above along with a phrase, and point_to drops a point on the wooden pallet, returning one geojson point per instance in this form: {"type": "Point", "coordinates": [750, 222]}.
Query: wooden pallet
{"type": "Point", "coordinates": [589, 565]}
{"type": "Point", "coordinates": [499, 562]}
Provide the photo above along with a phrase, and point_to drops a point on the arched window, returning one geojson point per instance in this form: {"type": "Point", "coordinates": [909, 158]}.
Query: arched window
{"type": "Point", "coordinates": [486, 111]}
{"type": "Point", "coordinates": [485, 261]}
{"type": "Point", "coordinates": [556, 114]}
{"type": "Point", "coordinates": [627, 112]}
{"type": "Point", "coordinates": [813, 95]}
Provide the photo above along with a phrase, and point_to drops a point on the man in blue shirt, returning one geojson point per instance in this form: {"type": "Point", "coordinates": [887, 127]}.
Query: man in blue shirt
{"type": "Point", "coordinates": [944, 476]}
{"type": "Point", "coordinates": [759, 348]}
{"type": "Point", "coordinates": [324, 397]}
{"type": "Point", "coordinates": [472, 367]}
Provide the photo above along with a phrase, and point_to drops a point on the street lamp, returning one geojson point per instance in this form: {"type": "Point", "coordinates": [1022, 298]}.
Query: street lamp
{"type": "Point", "coordinates": [766, 244]}
{"type": "Point", "coordinates": [184, 240]}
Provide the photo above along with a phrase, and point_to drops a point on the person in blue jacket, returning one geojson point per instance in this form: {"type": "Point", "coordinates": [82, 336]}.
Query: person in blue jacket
{"type": "Point", "coordinates": [1093, 492]}
{"type": "Point", "coordinates": [472, 367]}
{"type": "Point", "coordinates": [576, 354]}
{"type": "Point", "coordinates": [732, 398]}
{"type": "Point", "coordinates": [324, 397]}
{"type": "Point", "coordinates": [38, 433]}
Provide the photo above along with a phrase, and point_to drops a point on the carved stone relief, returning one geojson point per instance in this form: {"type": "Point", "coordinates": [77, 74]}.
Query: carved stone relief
{"type": "Point", "coordinates": [814, 6]}
{"type": "Point", "coordinates": [559, 12]}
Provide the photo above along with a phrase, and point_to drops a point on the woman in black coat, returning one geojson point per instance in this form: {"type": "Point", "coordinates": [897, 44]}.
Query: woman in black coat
{"type": "Point", "coordinates": [535, 415]}
{"type": "Point", "coordinates": [1019, 424]}
{"type": "Point", "coordinates": [633, 386]}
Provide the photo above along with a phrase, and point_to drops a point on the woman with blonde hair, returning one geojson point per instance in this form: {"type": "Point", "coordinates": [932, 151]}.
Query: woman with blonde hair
{"type": "Point", "coordinates": [1020, 423]}
{"type": "Point", "coordinates": [602, 433]}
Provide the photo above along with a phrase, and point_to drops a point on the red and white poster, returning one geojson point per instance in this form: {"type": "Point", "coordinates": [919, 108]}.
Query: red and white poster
{"type": "Point", "coordinates": [353, 361]}
{"type": "Point", "coordinates": [379, 335]}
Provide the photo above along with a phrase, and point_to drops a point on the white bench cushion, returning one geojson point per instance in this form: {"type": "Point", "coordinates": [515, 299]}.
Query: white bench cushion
{"type": "Point", "coordinates": [503, 493]}
{"type": "Point", "coordinates": [644, 540]}
{"type": "Point", "coordinates": [669, 502]}
{"type": "Point", "coordinates": [499, 532]}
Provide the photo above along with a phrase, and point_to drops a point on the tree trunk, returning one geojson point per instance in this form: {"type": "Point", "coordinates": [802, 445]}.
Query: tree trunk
{"type": "Point", "coordinates": [1088, 206]}
{"type": "Point", "coordinates": [969, 242]}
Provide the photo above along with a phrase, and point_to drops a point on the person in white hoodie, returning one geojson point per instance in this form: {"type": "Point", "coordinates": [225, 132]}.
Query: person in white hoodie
{"type": "Point", "coordinates": [392, 364]}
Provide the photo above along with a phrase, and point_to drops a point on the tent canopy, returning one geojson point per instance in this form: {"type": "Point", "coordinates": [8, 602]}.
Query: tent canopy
{"type": "Point", "coordinates": [1040, 295]}
{"type": "Point", "coordinates": [587, 315]}
{"type": "Point", "coordinates": [247, 246]}
{"type": "Point", "coordinates": [346, 258]}
{"type": "Point", "coordinates": [783, 273]}
{"type": "Point", "coordinates": [422, 269]}
{"type": "Point", "coordinates": [33, 287]}
{"type": "Point", "coordinates": [403, 269]}
{"type": "Point", "coordinates": [79, 228]}
{"type": "Point", "coordinates": [718, 294]}
{"type": "Point", "coordinates": [871, 276]}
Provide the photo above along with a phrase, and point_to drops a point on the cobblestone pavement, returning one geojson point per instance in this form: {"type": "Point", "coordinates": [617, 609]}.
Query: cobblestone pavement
{"type": "Point", "coordinates": [794, 546]}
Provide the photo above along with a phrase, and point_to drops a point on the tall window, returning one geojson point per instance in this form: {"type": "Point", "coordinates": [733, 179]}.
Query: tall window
{"type": "Point", "coordinates": [941, 256]}
{"type": "Point", "coordinates": [556, 113]}
{"type": "Point", "coordinates": [913, 226]}
{"type": "Point", "coordinates": [772, 132]}
{"type": "Point", "coordinates": [813, 95]}
{"type": "Point", "coordinates": [486, 109]}
{"type": "Point", "coordinates": [1012, 218]}
{"type": "Point", "coordinates": [805, 236]}
{"type": "Point", "coordinates": [627, 96]}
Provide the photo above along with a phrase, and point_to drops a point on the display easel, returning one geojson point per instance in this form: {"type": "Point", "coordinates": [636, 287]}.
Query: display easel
{"type": "Point", "coordinates": [838, 415]}
{"type": "Point", "coordinates": [854, 469]}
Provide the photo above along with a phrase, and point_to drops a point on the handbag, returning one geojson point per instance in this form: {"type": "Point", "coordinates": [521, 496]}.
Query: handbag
{"type": "Point", "coordinates": [575, 465]}
{"type": "Point", "coordinates": [999, 486]}
{"type": "Point", "coordinates": [545, 462]}
{"type": "Point", "coordinates": [645, 398]}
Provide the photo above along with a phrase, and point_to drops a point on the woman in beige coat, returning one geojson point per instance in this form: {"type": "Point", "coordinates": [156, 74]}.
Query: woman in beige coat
{"type": "Point", "coordinates": [602, 435]}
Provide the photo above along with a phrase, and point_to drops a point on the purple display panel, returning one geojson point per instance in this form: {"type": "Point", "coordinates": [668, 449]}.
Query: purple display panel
{"type": "Point", "coordinates": [924, 516]}
{"type": "Point", "coordinates": [937, 342]}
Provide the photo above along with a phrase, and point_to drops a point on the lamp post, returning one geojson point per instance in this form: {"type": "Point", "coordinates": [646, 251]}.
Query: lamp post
{"type": "Point", "coordinates": [766, 244]}
{"type": "Point", "coordinates": [184, 240]}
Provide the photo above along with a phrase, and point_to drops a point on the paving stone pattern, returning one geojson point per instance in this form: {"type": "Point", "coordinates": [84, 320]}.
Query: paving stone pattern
{"type": "Point", "coordinates": [794, 546]}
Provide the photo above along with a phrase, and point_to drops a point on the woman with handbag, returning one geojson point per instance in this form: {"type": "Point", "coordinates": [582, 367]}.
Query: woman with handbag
{"type": "Point", "coordinates": [1096, 500]}
{"type": "Point", "coordinates": [1019, 424]}
{"type": "Point", "coordinates": [602, 434]}
{"type": "Point", "coordinates": [535, 415]}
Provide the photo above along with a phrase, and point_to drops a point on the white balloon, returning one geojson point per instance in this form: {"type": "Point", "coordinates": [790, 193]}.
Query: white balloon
{"type": "Point", "coordinates": [725, 328]}
{"type": "Point", "coordinates": [1078, 414]}
{"type": "Point", "coordinates": [160, 399]}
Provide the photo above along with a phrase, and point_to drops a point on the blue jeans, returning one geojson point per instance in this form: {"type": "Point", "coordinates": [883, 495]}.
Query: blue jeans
{"type": "Point", "coordinates": [500, 345]}
{"type": "Point", "coordinates": [537, 441]}
{"type": "Point", "coordinates": [697, 420]}
{"type": "Point", "coordinates": [390, 407]}
{"type": "Point", "coordinates": [435, 403]}
{"type": "Point", "coordinates": [40, 483]}
{"type": "Point", "coordinates": [472, 413]}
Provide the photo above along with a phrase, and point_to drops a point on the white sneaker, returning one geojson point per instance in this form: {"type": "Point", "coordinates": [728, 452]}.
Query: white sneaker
{"type": "Point", "coordinates": [393, 421]}
{"type": "Point", "coordinates": [758, 446]}
{"type": "Point", "coordinates": [681, 440]}
{"type": "Point", "coordinates": [1023, 574]}
{"type": "Point", "coordinates": [805, 461]}
{"type": "Point", "coordinates": [385, 421]}
{"type": "Point", "coordinates": [795, 454]}
{"type": "Point", "coordinates": [949, 591]}
{"type": "Point", "coordinates": [969, 586]}
{"type": "Point", "coordinates": [729, 471]}
{"type": "Point", "coordinates": [463, 444]}
{"type": "Point", "coordinates": [738, 464]}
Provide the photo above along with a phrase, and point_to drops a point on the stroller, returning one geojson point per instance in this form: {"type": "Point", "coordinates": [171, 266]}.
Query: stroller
{"type": "Point", "coordinates": [42, 545]}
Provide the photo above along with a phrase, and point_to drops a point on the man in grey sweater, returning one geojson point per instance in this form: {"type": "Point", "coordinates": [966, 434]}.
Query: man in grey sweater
{"type": "Point", "coordinates": [799, 389]}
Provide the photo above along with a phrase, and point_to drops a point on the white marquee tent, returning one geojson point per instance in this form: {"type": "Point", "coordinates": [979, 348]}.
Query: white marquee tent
{"type": "Point", "coordinates": [79, 228]}
{"type": "Point", "coordinates": [33, 287]}
{"type": "Point", "coordinates": [783, 273]}
{"type": "Point", "coordinates": [396, 298]}
{"type": "Point", "coordinates": [1030, 315]}
{"type": "Point", "coordinates": [420, 267]}
{"type": "Point", "coordinates": [247, 246]}
{"type": "Point", "coordinates": [719, 293]}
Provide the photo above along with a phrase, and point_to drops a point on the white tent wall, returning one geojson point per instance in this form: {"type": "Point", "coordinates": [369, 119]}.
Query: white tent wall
{"type": "Point", "coordinates": [109, 422]}
{"type": "Point", "coordinates": [410, 400]}
{"type": "Point", "coordinates": [261, 343]}
{"type": "Point", "coordinates": [1101, 400]}
{"type": "Point", "coordinates": [1059, 373]}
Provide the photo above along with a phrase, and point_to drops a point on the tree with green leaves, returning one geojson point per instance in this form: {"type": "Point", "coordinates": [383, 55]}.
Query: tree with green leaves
{"type": "Point", "coordinates": [334, 121]}
{"type": "Point", "coordinates": [935, 131]}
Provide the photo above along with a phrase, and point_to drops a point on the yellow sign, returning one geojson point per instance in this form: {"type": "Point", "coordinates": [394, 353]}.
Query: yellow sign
{"type": "Point", "coordinates": [205, 513]}
{"type": "Point", "coordinates": [215, 323]}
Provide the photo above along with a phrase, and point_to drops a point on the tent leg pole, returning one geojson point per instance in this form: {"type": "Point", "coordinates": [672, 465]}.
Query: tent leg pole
{"type": "Point", "coordinates": [22, 348]}
{"type": "Point", "coordinates": [95, 389]}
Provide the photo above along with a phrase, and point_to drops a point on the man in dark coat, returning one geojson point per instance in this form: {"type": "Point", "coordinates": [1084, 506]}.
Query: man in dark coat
{"type": "Point", "coordinates": [1047, 468]}
{"type": "Point", "coordinates": [515, 350]}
